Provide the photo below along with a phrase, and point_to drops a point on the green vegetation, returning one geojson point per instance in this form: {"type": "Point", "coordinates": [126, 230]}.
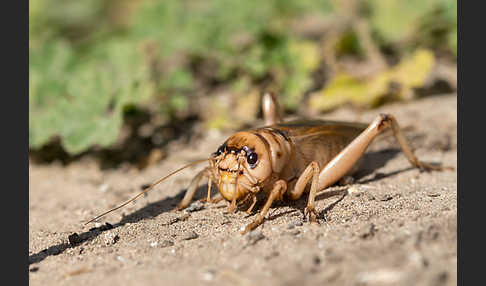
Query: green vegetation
{"type": "Point", "coordinates": [92, 61]}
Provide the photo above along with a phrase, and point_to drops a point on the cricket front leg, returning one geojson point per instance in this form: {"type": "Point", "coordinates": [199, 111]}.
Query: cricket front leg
{"type": "Point", "coordinates": [277, 192]}
{"type": "Point", "coordinates": [253, 203]}
{"type": "Point", "coordinates": [344, 161]}
{"type": "Point", "coordinates": [193, 187]}
{"type": "Point", "coordinates": [208, 198]}
{"type": "Point", "coordinates": [271, 109]}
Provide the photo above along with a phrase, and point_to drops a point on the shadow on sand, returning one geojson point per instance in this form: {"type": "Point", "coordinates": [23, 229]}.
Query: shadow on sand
{"type": "Point", "coordinates": [149, 211]}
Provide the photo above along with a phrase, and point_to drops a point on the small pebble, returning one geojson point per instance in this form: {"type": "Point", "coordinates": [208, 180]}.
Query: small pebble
{"type": "Point", "coordinates": [272, 255]}
{"type": "Point", "coordinates": [380, 276]}
{"type": "Point", "coordinates": [294, 232]}
{"type": "Point", "coordinates": [104, 188]}
{"type": "Point", "coordinates": [354, 190]}
{"type": "Point", "coordinates": [166, 243]}
{"type": "Point", "coordinates": [225, 221]}
{"type": "Point", "coordinates": [294, 223]}
{"type": "Point", "coordinates": [385, 197]}
{"type": "Point", "coordinates": [190, 235]}
{"type": "Point", "coordinates": [441, 278]}
{"type": "Point", "coordinates": [181, 218]}
{"type": "Point", "coordinates": [433, 194]}
{"type": "Point", "coordinates": [254, 236]}
{"type": "Point", "coordinates": [194, 207]}
{"type": "Point", "coordinates": [34, 269]}
{"type": "Point", "coordinates": [368, 231]}
{"type": "Point", "coordinates": [417, 259]}
{"type": "Point", "coordinates": [111, 238]}
{"type": "Point", "coordinates": [370, 197]}
{"type": "Point", "coordinates": [208, 275]}
{"type": "Point", "coordinates": [145, 186]}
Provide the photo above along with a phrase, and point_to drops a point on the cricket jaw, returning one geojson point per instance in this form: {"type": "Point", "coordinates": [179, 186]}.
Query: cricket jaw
{"type": "Point", "coordinates": [229, 187]}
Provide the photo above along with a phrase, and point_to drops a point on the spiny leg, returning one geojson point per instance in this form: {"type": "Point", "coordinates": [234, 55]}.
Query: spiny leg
{"type": "Point", "coordinates": [217, 198]}
{"type": "Point", "coordinates": [210, 177]}
{"type": "Point", "coordinates": [192, 188]}
{"type": "Point", "coordinates": [312, 171]}
{"type": "Point", "coordinates": [310, 210]}
{"type": "Point", "coordinates": [277, 192]}
{"type": "Point", "coordinates": [232, 205]}
{"type": "Point", "coordinates": [253, 203]}
{"type": "Point", "coordinates": [253, 191]}
{"type": "Point", "coordinates": [406, 148]}
{"type": "Point", "coordinates": [208, 198]}
{"type": "Point", "coordinates": [271, 109]}
{"type": "Point", "coordinates": [343, 162]}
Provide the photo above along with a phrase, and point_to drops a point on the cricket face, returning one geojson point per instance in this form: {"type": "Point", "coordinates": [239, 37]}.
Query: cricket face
{"type": "Point", "coordinates": [242, 164]}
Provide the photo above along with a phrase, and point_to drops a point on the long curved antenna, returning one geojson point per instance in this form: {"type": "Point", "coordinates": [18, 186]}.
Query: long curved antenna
{"type": "Point", "coordinates": [146, 190]}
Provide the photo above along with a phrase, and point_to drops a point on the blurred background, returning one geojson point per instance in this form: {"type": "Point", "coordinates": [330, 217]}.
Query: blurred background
{"type": "Point", "coordinates": [121, 79]}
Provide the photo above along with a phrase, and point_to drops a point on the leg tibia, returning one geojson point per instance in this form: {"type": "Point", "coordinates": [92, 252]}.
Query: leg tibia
{"type": "Point", "coordinates": [277, 192]}
{"type": "Point", "coordinates": [192, 188]}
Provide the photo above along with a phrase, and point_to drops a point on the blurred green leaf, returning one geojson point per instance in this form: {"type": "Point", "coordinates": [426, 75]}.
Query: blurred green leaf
{"type": "Point", "coordinates": [89, 60]}
{"type": "Point", "coordinates": [396, 19]}
{"type": "Point", "coordinates": [427, 24]}
{"type": "Point", "coordinates": [84, 106]}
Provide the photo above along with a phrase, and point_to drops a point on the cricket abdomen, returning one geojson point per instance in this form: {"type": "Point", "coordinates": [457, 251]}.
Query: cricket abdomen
{"type": "Point", "coordinates": [318, 141]}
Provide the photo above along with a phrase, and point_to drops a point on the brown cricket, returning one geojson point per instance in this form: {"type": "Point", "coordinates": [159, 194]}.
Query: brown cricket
{"type": "Point", "coordinates": [279, 160]}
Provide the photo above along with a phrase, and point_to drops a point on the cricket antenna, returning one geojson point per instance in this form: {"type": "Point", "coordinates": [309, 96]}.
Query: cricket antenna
{"type": "Point", "coordinates": [146, 190]}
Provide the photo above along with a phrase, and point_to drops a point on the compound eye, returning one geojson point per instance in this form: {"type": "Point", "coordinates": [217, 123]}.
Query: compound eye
{"type": "Point", "coordinates": [220, 150]}
{"type": "Point", "coordinates": [252, 158]}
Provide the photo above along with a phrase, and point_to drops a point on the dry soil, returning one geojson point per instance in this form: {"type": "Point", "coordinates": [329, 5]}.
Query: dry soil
{"type": "Point", "coordinates": [394, 225]}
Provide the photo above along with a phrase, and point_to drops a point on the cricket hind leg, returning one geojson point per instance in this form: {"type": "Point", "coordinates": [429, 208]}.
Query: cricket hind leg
{"type": "Point", "coordinates": [350, 177]}
{"type": "Point", "coordinates": [270, 109]}
{"type": "Point", "coordinates": [344, 161]}
{"type": "Point", "coordinates": [407, 148]}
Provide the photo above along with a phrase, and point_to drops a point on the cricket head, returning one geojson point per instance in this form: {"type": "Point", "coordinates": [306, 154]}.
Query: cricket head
{"type": "Point", "coordinates": [242, 164]}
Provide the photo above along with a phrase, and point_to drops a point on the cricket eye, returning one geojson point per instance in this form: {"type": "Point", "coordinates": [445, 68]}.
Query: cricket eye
{"type": "Point", "coordinates": [252, 158]}
{"type": "Point", "coordinates": [220, 150]}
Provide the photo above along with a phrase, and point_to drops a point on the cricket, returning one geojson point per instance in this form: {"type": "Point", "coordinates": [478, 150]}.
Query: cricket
{"type": "Point", "coordinates": [283, 160]}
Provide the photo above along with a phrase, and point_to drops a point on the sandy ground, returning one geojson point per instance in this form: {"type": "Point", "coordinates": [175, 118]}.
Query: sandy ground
{"type": "Point", "coordinates": [394, 225]}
